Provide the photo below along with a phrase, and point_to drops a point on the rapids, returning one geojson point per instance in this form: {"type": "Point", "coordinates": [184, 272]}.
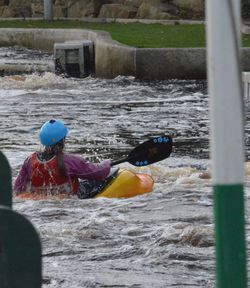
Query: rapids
{"type": "Point", "coordinates": [161, 239]}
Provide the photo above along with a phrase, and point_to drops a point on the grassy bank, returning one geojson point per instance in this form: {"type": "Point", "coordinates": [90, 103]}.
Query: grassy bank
{"type": "Point", "coordinates": [132, 34]}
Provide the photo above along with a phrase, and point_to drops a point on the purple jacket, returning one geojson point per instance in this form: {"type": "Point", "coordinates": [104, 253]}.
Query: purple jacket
{"type": "Point", "coordinates": [76, 166]}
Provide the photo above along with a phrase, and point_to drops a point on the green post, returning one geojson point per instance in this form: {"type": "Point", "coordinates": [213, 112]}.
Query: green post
{"type": "Point", "coordinates": [20, 251]}
{"type": "Point", "coordinates": [5, 182]}
{"type": "Point", "coordinates": [20, 247]}
{"type": "Point", "coordinates": [230, 236]}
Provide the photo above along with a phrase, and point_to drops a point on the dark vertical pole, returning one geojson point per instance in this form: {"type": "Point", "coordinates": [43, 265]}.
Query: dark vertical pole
{"type": "Point", "coordinates": [20, 252]}
{"type": "Point", "coordinates": [20, 246]}
{"type": "Point", "coordinates": [5, 182]}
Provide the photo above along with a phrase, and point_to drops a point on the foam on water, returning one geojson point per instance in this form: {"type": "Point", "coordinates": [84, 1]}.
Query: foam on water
{"type": "Point", "coordinates": [161, 239]}
{"type": "Point", "coordinates": [33, 81]}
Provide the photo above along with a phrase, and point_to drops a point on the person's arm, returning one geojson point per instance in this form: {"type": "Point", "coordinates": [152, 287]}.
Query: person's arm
{"type": "Point", "coordinates": [83, 169]}
{"type": "Point", "coordinates": [23, 177]}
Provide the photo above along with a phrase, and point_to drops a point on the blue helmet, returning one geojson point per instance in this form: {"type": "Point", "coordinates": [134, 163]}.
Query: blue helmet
{"type": "Point", "coordinates": [52, 132]}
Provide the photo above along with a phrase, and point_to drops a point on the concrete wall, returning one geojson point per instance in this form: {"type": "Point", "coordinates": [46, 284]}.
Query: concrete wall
{"type": "Point", "coordinates": [113, 59]}
{"type": "Point", "coordinates": [42, 39]}
{"type": "Point", "coordinates": [169, 63]}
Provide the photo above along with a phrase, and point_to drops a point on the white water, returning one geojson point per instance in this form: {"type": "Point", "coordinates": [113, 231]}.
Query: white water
{"type": "Point", "coordinates": [163, 239]}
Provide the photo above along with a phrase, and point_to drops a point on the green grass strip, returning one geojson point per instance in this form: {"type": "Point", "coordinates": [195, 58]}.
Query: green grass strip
{"type": "Point", "coordinates": [133, 34]}
{"type": "Point", "coordinates": [230, 236]}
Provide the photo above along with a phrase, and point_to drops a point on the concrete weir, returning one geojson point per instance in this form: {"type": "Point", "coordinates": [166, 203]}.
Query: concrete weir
{"type": "Point", "coordinates": [74, 58]}
{"type": "Point", "coordinates": [113, 59]}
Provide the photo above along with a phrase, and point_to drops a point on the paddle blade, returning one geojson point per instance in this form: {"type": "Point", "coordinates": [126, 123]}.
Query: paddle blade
{"type": "Point", "coordinates": [151, 151]}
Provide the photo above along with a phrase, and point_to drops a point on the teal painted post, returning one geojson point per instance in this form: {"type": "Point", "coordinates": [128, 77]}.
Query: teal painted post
{"type": "Point", "coordinates": [230, 236]}
{"type": "Point", "coordinates": [20, 247]}
{"type": "Point", "coordinates": [20, 251]}
{"type": "Point", "coordinates": [5, 182]}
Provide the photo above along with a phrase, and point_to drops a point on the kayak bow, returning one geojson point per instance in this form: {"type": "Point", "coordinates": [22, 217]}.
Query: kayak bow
{"type": "Point", "coordinates": [127, 184]}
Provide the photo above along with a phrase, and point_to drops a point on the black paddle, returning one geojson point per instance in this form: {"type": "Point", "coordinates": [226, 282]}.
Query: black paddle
{"type": "Point", "coordinates": [149, 152]}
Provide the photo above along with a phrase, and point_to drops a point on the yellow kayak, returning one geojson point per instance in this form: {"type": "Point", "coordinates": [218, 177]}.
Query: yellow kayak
{"type": "Point", "coordinates": [127, 184]}
{"type": "Point", "coordinates": [121, 183]}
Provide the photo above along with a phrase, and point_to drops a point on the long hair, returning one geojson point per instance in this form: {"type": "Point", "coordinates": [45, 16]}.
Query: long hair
{"type": "Point", "coordinates": [56, 150]}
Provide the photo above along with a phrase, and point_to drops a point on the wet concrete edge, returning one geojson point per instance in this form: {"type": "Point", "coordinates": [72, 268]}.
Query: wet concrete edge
{"type": "Point", "coordinates": [113, 58]}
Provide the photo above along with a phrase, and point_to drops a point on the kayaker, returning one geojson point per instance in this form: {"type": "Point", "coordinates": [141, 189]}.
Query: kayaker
{"type": "Point", "coordinates": [52, 171]}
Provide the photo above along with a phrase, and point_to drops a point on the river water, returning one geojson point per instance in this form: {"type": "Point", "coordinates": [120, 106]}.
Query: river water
{"type": "Point", "coordinates": [162, 239]}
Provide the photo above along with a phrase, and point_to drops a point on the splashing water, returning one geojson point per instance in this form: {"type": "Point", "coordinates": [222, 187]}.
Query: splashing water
{"type": "Point", "coordinates": [162, 239]}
